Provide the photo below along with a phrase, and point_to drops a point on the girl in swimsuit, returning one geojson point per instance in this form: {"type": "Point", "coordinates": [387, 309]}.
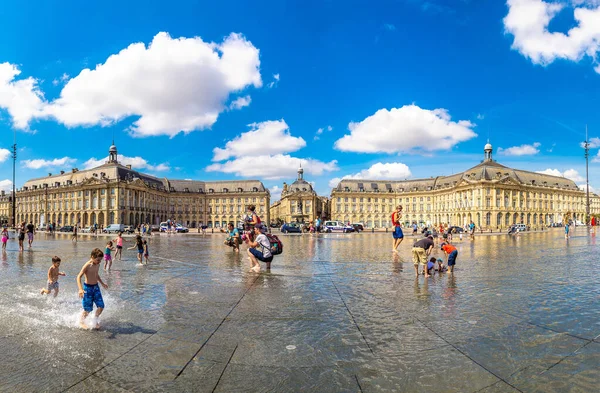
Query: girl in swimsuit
{"type": "Point", "coordinates": [119, 241]}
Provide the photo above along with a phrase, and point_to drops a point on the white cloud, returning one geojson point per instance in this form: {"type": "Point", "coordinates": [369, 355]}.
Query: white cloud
{"type": "Point", "coordinates": [269, 137]}
{"type": "Point", "coordinates": [405, 129]}
{"type": "Point", "coordinates": [379, 171]}
{"type": "Point", "coordinates": [275, 193]}
{"type": "Point", "coordinates": [173, 85]}
{"type": "Point", "coordinates": [136, 163]}
{"type": "Point", "coordinates": [480, 116]}
{"type": "Point", "coordinates": [5, 185]}
{"type": "Point", "coordinates": [274, 82]}
{"type": "Point", "coordinates": [319, 131]}
{"type": "Point", "coordinates": [63, 78]}
{"type": "Point", "coordinates": [41, 163]}
{"type": "Point", "coordinates": [329, 128]}
{"type": "Point", "coordinates": [272, 167]}
{"type": "Point", "coordinates": [523, 150]}
{"type": "Point", "coordinates": [570, 174]}
{"type": "Point", "coordinates": [389, 27]}
{"type": "Point", "coordinates": [240, 102]}
{"type": "Point", "coordinates": [583, 187]}
{"type": "Point", "coordinates": [597, 158]}
{"type": "Point", "coordinates": [594, 143]}
{"type": "Point", "coordinates": [4, 154]}
{"type": "Point", "coordinates": [528, 21]}
{"type": "Point", "coordinates": [22, 98]}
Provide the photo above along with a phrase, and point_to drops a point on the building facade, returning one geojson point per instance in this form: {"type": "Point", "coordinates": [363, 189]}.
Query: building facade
{"type": "Point", "coordinates": [6, 212]}
{"type": "Point", "coordinates": [299, 203]}
{"type": "Point", "coordinates": [116, 194]}
{"type": "Point", "coordinates": [490, 194]}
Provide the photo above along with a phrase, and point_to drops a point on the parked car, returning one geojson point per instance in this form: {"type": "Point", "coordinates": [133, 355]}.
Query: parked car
{"type": "Point", "coordinates": [89, 229]}
{"type": "Point", "coordinates": [274, 225]}
{"type": "Point", "coordinates": [291, 228]}
{"type": "Point", "coordinates": [155, 228]}
{"type": "Point", "coordinates": [358, 227]}
{"type": "Point", "coordinates": [517, 228]}
{"type": "Point", "coordinates": [181, 229]}
{"type": "Point", "coordinates": [114, 228]}
{"type": "Point", "coordinates": [338, 226]}
{"type": "Point", "coordinates": [455, 230]}
{"type": "Point", "coordinates": [66, 228]}
{"type": "Point", "coordinates": [128, 229]}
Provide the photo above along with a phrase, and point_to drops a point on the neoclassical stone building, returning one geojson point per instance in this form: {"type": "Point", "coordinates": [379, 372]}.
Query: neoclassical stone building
{"type": "Point", "coordinates": [299, 203]}
{"type": "Point", "coordinates": [116, 194]}
{"type": "Point", "coordinates": [6, 208]}
{"type": "Point", "coordinates": [490, 194]}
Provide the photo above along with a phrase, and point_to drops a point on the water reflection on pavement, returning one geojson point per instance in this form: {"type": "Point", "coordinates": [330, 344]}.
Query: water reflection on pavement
{"type": "Point", "coordinates": [336, 313]}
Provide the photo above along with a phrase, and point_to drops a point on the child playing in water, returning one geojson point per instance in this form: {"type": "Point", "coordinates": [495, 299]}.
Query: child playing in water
{"type": "Point", "coordinates": [430, 266]}
{"type": "Point", "coordinates": [53, 274]}
{"type": "Point", "coordinates": [107, 256]}
{"type": "Point", "coordinates": [90, 292]}
{"type": "Point", "coordinates": [4, 237]}
{"type": "Point", "coordinates": [451, 253]}
{"type": "Point", "coordinates": [119, 241]}
{"type": "Point", "coordinates": [140, 248]}
{"type": "Point", "coordinates": [146, 252]}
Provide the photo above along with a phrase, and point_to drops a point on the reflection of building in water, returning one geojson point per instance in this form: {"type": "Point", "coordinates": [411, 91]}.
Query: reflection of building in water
{"type": "Point", "coordinates": [5, 208]}
{"type": "Point", "coordinates": [116, 194]}
{"type": "Point", "coordinates": [489, 194]}
{"type": "Point", "coordinates": [299, 203]}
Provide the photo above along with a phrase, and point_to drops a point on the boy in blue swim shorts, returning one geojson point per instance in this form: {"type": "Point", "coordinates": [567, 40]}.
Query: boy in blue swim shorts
{"type": "Point", "coordinates": [90, 292]}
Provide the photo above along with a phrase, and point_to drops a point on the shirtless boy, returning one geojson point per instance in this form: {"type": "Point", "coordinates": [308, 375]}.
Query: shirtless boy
{"type": "Point", "coordinates": [90, 292]}
{"type": "Point", "coordinates": [53, 274]}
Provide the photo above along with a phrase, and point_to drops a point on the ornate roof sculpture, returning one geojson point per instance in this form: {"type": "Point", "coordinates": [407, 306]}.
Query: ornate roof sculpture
{"type": "Point", "coordinates": [299, 185]}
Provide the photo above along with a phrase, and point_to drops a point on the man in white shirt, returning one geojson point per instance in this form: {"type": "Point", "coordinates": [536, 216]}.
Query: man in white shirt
{"type": "Point", "coordinates": [259, 249]}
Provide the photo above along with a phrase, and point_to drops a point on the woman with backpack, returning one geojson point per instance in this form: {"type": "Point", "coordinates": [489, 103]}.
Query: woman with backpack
{"type": "Point", "coordinates": [259, 249]}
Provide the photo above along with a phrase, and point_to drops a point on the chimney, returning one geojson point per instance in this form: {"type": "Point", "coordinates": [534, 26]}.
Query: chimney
{"type": "Point", "coordinates": [62, 172]}
{"type": "Point", "coordinates": [2, 193]}
{"type": "Point", "coordinates": [74, 170]}
{"type": "Point", "coordinates": [49, 174]}
{"type": "Point", "coordinates": [129, 166]}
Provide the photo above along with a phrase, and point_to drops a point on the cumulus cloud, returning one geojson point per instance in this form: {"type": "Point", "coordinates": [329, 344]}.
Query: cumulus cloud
{"type": "Point", "coordinates": [136, 163]}
{"type": "Point", "coordinates": [523, 150]}
{"type": "Point", "coordinates": [172, 85]}
{"type": "Point", "coordinates": [5, 185]}
{"type": "Point", "coordinates": [570, 174]}
{"type": "Point", "coordinates": [528, 21]}
{"type": "Point", "coordinates": [597, 158]}
{"type": "Point", "coordinates": [260, 152]}
{"type": "Point", "coordinates": [480, 116]}
{"type": "Point", "coordinates": [272, 167]}
{"type": "Point", "coordinates": [405, 129]}
{"type": "Point", "coordinates": [4, 154]}
{"type": "Point", "coordinates": [21, 98]}
{"type": "Point", "coordinates": [240, 102]}
{"type": "Point", "coordinates": [594, 143]}
{"type": "Point", "coordinates": [54, 163]}
{"type": "Point", "coordinates": [274, 82]}
{"type": "Point", "coordinates": [379, 171]}
{"type": "Point", "coordinates": [583, 187]}
{"type": "Point", "coordinates": [275, 193]}
{"type": "Point", "coordinates": [268, 137]}
{"type": "Point", "coordinates": [63, 78]}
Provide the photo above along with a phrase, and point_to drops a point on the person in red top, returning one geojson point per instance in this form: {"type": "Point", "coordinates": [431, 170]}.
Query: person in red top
{"type": "Point", "coordinates": [451, 253]}
{"type": "Point", "coordinates": [398, 235]}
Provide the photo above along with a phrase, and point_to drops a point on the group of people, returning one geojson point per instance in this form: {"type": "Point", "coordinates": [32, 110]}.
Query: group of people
{"type": "Point", "coordinates": [259, 246]}
{"type": "Point", "coordinates": [23, 230]}
{"type": "Point", "coordinates": [422, 249]}
{"type": "Point", "coordinates": [90, 292]}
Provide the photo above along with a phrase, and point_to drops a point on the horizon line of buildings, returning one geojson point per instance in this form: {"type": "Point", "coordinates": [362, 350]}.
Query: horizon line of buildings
{"type": "Point", "coordinates": [489, 194]}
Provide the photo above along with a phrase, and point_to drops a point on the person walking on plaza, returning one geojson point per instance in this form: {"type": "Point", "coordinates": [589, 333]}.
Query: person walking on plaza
{"type": "Point", "coordinates": [74, 237]}
{"type": "Point", "coordinates": [566, 230]}
{"type": "Point", "coordinates": [472, 230]}
{"type": "Point", "coordinates": [4, 237]}
{"type": "Point", "coordinates": [397, 235]}
{"type": "Point", "coordinates": [30, 232]}
{"type": "Point", "coordinates": [420, 252]}
{"type": "Point", "coordinates": [21, 235]}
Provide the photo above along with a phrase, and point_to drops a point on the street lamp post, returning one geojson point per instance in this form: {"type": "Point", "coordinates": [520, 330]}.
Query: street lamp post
{"type": "Point", "coordinates": [586, 146]}
{"type": "Point", "coordinates": [14, 192]}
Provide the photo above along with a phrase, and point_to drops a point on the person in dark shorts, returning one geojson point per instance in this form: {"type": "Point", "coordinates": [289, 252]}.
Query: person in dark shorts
{"type": "Point", "coordinates": [451, 253]}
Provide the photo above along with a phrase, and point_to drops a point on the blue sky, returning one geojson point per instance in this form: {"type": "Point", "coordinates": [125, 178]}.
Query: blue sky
{"type": "Point", "coordinates": [221, 90]}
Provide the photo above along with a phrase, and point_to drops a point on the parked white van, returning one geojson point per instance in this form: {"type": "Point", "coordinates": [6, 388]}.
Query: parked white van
{"type": "Point", "coordinates": [114, 228]}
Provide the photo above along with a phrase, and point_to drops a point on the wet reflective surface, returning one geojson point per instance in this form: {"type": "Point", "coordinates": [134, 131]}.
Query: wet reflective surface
{"type": "Point", "coordinates": [337, 313]}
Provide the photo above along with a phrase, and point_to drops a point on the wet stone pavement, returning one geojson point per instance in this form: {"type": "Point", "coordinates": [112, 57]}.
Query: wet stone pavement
{"type": "Point", "coordinates": [337, 313]}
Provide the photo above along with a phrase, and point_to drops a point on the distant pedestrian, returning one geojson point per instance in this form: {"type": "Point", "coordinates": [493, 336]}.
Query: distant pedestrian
{"type": "Point", "coordinates": [397, 235]}
{"type": "Point", "coordinates": [566, 230]}
{"type": "Point", "coordinates": [146, 252]}
{"type": "Point", "coordinates": [30, 232]}
{"type": "Point", "coordinates": [415, 228]}
{"type": "Point", "coordinates": [74, 237]}
{"type": "Point", "coordinates": [4, 237]}
{"type": "Point", "coordinates": [21, 236]}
